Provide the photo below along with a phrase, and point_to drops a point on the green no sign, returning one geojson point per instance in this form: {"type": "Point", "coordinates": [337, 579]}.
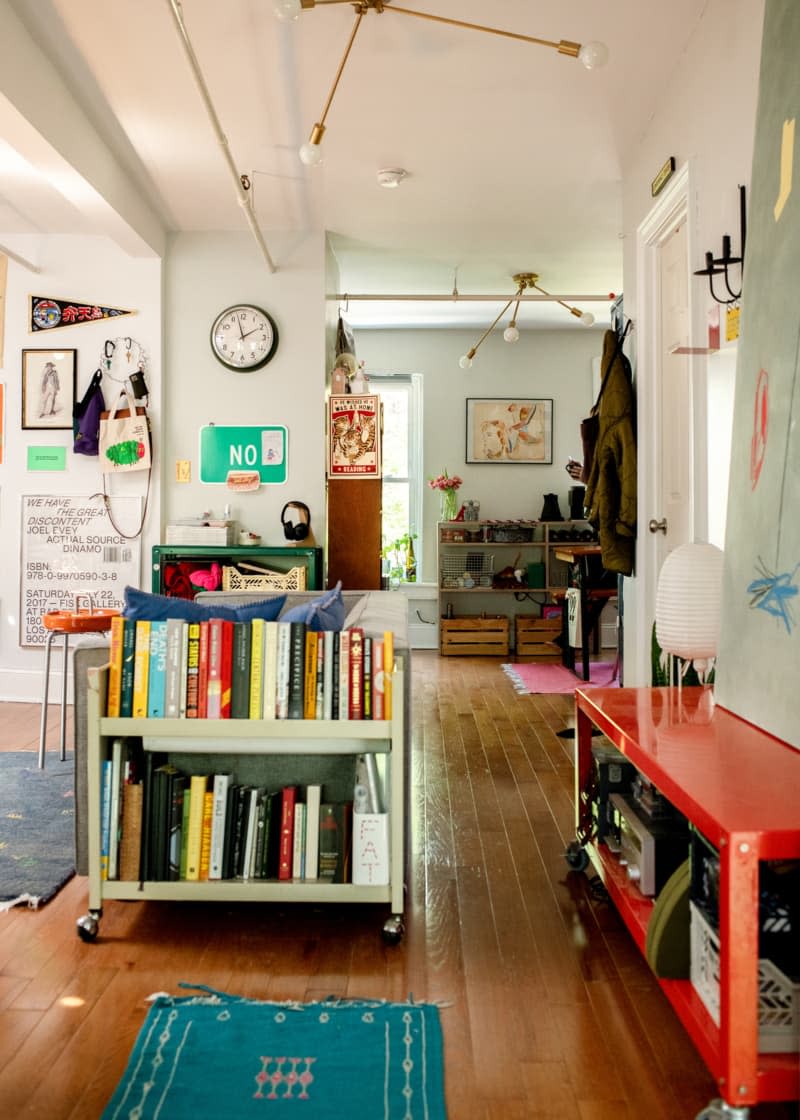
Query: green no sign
{"type": "Point", "coordinates": [224, 449]}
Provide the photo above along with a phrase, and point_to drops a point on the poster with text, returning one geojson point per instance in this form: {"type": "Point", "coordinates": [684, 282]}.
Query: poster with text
{"type": "Point", "coordinates": [354, 436]}
{"type": "Point", "coordinates": [70, 546]}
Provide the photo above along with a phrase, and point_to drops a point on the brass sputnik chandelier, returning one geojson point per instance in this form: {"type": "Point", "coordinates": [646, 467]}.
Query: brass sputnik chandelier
{"type": "Point", "coordinates": [523, 280]}
{"type": "Point", "coordinates": [591, 55]}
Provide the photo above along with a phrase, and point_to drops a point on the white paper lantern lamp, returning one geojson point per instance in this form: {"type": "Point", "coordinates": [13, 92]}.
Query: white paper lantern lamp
{"type": "Point", "coordinates": [689, 605]}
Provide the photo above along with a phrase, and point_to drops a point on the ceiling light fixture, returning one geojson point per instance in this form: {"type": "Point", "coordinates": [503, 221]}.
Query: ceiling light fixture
{"type": "Point", "coordinates": [523, 280]}
{"type": "Point", "coordinates": [391, 177]}
{"type": "Point", "coordinates": [591, 55]}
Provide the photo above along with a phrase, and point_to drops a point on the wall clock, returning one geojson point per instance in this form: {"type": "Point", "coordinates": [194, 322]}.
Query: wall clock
{"type": "Point", "coordinates": [244, 337]}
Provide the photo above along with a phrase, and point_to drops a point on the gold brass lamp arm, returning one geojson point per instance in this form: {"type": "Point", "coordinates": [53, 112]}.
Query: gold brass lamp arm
{"type": "Point", "coordinates": [471, 352]}
{"type": "Point", "coordinates": [576, 311]}
{"type": "Point", "coordinates": [563, 46]}
{"type": "Point", "coordinates": [319, 127]}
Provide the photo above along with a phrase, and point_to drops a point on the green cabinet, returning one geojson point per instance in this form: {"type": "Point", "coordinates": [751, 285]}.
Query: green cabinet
{"type": "Point", "coordinates": [173, 566]}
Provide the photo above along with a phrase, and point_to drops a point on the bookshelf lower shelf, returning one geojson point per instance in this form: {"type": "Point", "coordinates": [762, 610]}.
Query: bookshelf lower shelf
{"type": "Point", "coordinates": [230, 890]}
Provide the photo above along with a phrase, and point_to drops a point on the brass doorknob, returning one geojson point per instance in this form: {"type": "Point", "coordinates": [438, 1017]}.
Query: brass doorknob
{"type": "Point", "coordinates": [658, 526]}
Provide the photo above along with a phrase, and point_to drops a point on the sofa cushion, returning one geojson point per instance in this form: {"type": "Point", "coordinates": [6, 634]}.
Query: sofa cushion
{"type": "Point", "coordinates": [155, 608]}
{"type": "Point", "coordinates": [377, 611]}
{"type": "Point", "coordinates": [326, 612]}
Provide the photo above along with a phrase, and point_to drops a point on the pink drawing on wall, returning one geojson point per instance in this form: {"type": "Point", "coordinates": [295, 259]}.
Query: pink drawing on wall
{"type": "Point", "coordinates": [758, 444]}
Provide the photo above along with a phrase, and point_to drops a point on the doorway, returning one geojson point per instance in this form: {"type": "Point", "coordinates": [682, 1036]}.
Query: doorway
{"type": "Point", "coordinates": [671, 409]}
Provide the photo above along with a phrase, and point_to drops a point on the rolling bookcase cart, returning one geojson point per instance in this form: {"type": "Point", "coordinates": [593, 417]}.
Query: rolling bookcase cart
{"type": "Point", "coordinates": [281, 752]}
{"type": "Point", "coordinates": [737, 786]}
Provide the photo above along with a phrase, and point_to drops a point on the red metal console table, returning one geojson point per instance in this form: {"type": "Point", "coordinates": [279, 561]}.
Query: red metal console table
{"type": "Point", "coordinates": [741, 788]}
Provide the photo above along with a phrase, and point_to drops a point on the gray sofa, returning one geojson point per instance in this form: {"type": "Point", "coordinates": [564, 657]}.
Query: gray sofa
{"type": "Point", "coordinates": [376, 611]}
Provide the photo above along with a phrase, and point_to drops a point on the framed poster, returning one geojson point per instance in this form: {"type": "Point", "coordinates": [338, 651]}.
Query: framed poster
{"type": "Point", "coordinates": [48, 388]}
{"type": "Point", "coordinates": [69, 545]}
{"type": "Point", "coordinates": [354, 436]}
{"type": "Point", "coordinates": [509, 430]}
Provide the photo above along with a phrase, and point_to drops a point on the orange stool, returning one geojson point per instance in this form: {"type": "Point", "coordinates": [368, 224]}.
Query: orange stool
{"type": "Point", "coordinates": [63, 623]}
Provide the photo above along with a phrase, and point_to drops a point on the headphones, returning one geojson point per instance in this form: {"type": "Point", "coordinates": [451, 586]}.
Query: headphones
{"type": "Point", "coordinates": [300, 531]}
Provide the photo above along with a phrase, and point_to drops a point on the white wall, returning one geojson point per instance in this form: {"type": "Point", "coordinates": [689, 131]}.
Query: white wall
{"type": "Point", "coordinates": [73, 268]}
{"type": "Point", "coordinates": [206, 273]}
{"type": "Point", "coordinates": [706, 119]}
{"type": "Point", "coordinates": [548, 364]}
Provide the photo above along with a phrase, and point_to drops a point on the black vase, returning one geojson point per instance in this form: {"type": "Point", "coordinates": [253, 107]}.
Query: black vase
{"type": "Point", "coordinates": [550, 510]}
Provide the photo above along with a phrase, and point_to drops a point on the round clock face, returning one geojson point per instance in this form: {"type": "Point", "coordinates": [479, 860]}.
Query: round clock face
{"type": "Point", "coordinates": [244, 337]}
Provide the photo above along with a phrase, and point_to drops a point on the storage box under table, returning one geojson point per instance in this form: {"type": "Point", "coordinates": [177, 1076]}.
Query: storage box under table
{"type": "Point", "coordinates": [487, 636]}
{"type": "Point", "coordinates": [534, 637]}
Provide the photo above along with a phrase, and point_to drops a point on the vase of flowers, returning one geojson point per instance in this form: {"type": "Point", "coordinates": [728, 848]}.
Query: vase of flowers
{"type": "Point", "coordinates": [447, 485]}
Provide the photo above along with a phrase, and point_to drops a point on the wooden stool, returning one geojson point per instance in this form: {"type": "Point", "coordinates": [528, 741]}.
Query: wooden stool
{"type": "Point", "coordinates": [63, 623]}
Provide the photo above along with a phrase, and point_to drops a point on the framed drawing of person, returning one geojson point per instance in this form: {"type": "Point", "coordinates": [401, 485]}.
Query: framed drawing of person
{"type": "Point", "coordinates": [48, 388]}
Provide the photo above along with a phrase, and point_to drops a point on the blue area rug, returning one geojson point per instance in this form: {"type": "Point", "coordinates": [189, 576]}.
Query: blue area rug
{"type": "Point", "coordinates": [37, 827]}
{"type": "Point", "coordinates": [219, 1056]}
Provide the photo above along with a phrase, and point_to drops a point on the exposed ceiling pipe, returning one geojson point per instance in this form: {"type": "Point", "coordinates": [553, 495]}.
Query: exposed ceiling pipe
{"type": "Point", "coordinates": [462, 297]}
{"type": "Point", "coordinates": [18, 259]}
{"type": "Point", "coordinates": [242, 196]}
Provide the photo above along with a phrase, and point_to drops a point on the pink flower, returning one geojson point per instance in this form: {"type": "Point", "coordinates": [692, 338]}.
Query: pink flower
{"type": "Point", "coordinates": [445, 481]}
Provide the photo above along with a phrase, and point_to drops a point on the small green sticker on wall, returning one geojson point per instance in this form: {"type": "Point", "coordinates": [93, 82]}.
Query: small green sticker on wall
{"type": "Point", "coordinates": [47, 458]}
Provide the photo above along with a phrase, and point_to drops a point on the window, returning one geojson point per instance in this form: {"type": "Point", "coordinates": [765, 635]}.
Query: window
{"type": "Point", "coordinates": [401, 395]}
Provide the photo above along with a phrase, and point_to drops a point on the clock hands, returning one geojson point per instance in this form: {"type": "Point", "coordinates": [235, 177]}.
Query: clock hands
{"type": "Point", "coordinates": [253, 331]}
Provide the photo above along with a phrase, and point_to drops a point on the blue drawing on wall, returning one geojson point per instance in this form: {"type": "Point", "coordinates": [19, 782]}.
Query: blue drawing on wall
{"type": "Point", "coordinates": [773, 593]}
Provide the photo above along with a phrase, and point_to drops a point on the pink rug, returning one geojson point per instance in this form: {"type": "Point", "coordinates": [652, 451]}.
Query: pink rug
{"type": "Point", "coordinates": [528, 677]}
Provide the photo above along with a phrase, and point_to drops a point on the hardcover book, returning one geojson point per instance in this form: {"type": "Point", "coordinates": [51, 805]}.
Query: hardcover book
{"type": "Point", "coordinates": [115, 666]}
{"type": "Point", "coordinates": [310, 676]}
{"type": "Point", "coordinates": [193, 671]}
{"type": "Point", "coordinates": [240, 674]}
{"type": "Point", "coordinates": [157, 684]}
{"type": "Point", "coordinates": [128, 654]}
{"type": "Point", "coordinates": [221, 785]}
{"type": "Point", "coordinates": [226, 669]}
{"type": "Point", "coordinates": [288, 798]}
{"type": "Point", "coordinates": [356, 673]}
{"type": "Point", "coordinates": [256, 698]}
{"type": "Point", "coordinates": [172, 703]}
{"type": "Point", "coordinates": [313, 798]}
{"type": "Point", "coordinates": [197, 788]}
{"type": "Point", "coordinates": [270, 669]}
{"type": "Point", "coordinates": [141, 668]}
{"type": "Point", "coordinates": [202, 672]}
{"type": "Point", "coordinates": [335, 841]}
{"type": "Point", "coordinates": [297, 660]}
{"type": "Point", "coordinates": [214, 694]}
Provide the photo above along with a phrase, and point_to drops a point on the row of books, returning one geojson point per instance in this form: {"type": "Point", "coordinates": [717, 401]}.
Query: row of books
{"type": "Point", "coordinates": [219, 669]}
{"type": "Point", "coordinates": [161, 824]}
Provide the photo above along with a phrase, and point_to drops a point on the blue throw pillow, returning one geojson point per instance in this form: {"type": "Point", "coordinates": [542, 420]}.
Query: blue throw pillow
{"type": "Point", "coordinates": [144, 605]}
{"type": "Point", "coordinates": [323, 613]}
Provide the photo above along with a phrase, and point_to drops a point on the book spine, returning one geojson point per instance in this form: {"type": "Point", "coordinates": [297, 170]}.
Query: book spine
{"type": "Point", "coordinates": [297, 648]}
{"type": "Point", "coordinates": [228, 869]}
{"type": "Point", "coordinates": [388, 669]}
{"type": "Point", "coordinates": [378, 679]}
{"type": "Point", "coordinates": [336, 673]}
{"type": "Point", "coordinates": [344, 674]}
{"type": "Point", "coordinates": [193, 671]}
{"type": "Point", "coordinates": [310, 681]}
{"type": "Point", "coordinates": [221, 785]}
{"type": "Point", "coordinates": [356, 673]}
{"type": "Point", "coordinates": [172, 703]}
{"type": "Point", "coordinates": [313, 798]}
{"type": "Point", "coordinates": [176, 793]}
{"type": "Point", "coordinates": [205, 835]}
{"type": "Point", "coordinates": [226, 669]}
{"type": "Point", "coordinates": [299, 846]}
{"type": "Point", "coordinates": [141, 669]}
{"type": "Point", "coordinates": [117, 748]}
{"type": "Point", "coordinates": [115, 666]}
{"type": "Point", "coordinates": [367, 678]}
{"type": "Point", "coordinates": [156, 688]}
{"type": "Point", "coordinates": [282, 677]}
{"type": "Point", "coordinates": [319, 700]}
{"type": "Point", "coordinates": [250, 829]}
{"type": "Point", "coordinates": [214, 697]}
{"type": "Point", "coordinates": [240, 676]}
{"type": "Point", "coordinates": [202, 672]}
{"type": "Point", "coordinates": [197, 789]}
{"type": "Point", "coordinates": [327, 684]}
{"type": "Point", "coordinates": [184, 670]}
{"type": "Point", "coordinates": [272, 837]}
{"type": "Point", "coordinates": [131, 840]}
{"type": "Point", "coordinates": [187, 812]}
{"type": "Point", "coordinates": [288, 798]}
{"type": "Point", "coordinates": [335, 841]}
{"type": "Point", "coordinates": [270, 669]}
{"type": "Point", "coordinates": [105, 816]}
{"type": "Point", "coordinates": [257, 639]}
{"type": "Point", "coordinates": [128, 654]}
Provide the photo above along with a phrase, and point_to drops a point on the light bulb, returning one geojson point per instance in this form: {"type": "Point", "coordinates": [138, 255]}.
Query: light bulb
{"type": "Point", "coordinates": [593, 55]}
{"type": "Point", "coordinates": [511, 334]}
{"type": "Point", "coordinates": [465, 362]}
{"type": "Point", "coordinates": [310, 154]}
{"type": "Point", "coordinates": [286, 9]}
{"type": "Point", "coordinates": [587, 318]}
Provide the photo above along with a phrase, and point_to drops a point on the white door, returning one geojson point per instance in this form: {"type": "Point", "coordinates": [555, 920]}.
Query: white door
{"type": "Point", "coordinates": [666, 432]}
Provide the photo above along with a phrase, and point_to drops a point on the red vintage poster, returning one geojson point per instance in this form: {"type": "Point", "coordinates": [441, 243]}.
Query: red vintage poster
{"type": "Point", "coordinates": [354, 436]}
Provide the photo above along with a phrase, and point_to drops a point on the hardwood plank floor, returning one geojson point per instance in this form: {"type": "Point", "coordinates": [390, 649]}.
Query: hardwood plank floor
{"type": "Point", "coordinates": [548, 1010]}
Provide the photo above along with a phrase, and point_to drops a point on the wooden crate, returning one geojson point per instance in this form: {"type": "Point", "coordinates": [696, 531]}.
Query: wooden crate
{"type": "Point", "coordinates": [471, 635]}
{"type": "Point", "coordinates": [533, 637]}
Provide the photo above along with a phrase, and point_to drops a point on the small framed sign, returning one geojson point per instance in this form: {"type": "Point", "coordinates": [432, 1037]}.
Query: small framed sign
{"type": "Point", "coordinates": [665, 173]}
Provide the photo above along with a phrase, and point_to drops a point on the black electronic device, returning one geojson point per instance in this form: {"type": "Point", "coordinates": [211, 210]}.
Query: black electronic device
{"type": "Point", "coordinates": [299, 529]}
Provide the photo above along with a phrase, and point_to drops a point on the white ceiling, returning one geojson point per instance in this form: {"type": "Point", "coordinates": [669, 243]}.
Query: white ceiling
{"type": "Point", "coordinates": [514, 152]}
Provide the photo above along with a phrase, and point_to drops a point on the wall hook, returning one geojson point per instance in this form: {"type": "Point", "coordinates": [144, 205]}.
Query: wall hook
{"type": "Point", "coordinates": [718, 266]}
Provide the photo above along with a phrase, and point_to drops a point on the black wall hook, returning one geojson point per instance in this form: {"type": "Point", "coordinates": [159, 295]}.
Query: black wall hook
{"type": "Point", "coordinates": [718, 266]}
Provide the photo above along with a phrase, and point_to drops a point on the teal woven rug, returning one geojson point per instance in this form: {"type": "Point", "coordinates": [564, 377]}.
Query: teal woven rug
{"type": "Point", "coordinates": [217, 1056]}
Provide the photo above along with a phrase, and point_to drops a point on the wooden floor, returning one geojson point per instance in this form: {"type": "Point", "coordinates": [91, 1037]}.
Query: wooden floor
{"type": "Point", "coordinates": [548, 1010]}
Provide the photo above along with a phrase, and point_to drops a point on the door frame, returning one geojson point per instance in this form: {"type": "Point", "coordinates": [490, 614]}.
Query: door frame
{"type": "Point", "coordinates": [673, 206]}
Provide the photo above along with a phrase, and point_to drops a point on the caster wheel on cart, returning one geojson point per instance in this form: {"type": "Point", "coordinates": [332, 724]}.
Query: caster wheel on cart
{"type": "Point", "coordinates": [393, 930]}
{"type": "Point", "coordinates": [88, 927]}
{"type": "Point", "coordinates": [719, 1110]}
{"type": "Point", "coordinates": [577, 857]}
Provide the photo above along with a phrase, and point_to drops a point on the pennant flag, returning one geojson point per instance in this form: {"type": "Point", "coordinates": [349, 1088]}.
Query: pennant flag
{"type": "Point", "coordinates": [47, 313]}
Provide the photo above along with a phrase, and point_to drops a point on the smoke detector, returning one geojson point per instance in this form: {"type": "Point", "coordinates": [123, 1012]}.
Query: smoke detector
{"type": "Point", "coordinates": [391, 177]}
